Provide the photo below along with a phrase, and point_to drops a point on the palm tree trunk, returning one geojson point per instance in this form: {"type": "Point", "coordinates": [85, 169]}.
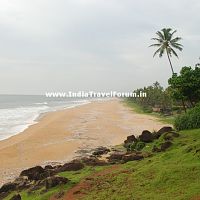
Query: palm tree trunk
{"type": "Point", "coordinates": [170, 63]}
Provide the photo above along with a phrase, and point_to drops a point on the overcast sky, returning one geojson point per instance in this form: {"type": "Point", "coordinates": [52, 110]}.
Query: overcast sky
{"type": "Point", "coordinates": [61, 45]}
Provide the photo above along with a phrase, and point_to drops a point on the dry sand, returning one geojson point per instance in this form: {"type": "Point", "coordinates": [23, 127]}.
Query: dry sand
{"type": "Point", "coordinates": [59, 135]}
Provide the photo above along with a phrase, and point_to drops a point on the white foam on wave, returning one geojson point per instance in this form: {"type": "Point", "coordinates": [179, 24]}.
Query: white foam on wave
{"type": "Point", "coordinates": [15, 120]}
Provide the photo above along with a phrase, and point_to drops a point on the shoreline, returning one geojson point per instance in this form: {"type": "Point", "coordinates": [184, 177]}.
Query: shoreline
{"type": "Point", "coordinates": [39, 115]}
{"type": "Point", "coordinates": [59, 135]}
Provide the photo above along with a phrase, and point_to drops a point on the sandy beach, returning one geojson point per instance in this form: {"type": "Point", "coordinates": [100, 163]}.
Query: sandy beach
{"type": "Point", "coordinates": [60, 136]}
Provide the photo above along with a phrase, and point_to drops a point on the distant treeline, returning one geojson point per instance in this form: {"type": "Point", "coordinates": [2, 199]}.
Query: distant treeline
{"type": "Point", "coordinates": [183, 92]}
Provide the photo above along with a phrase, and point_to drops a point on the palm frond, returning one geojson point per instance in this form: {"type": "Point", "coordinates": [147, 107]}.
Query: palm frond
{"type": "Point", "coordinates": [177, 46]}
{"type": "Point", "coordinates": [156, 52]}
{"type": "Point", "coordinates": [176, 39]}
{"type": "Point", "coordinates": [155, 45]}
{"type": "Point", "coordinates": [160, 35]}
{"type": "Point", "coordinates": [172, 50]}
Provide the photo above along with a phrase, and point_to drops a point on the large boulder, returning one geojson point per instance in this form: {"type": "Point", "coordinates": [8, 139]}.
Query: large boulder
{"type": "Point", "coordinates": [100, 151]}
{"type": "Point", "coordinates": [55, 181]}
{"type": "Point", "coordinates": [71, 166]}
{"type": "Point", "coordinates": [7, 187]}
{"type": "Point", "coordinates": [163, 130]}
{"type": "Point", "coordinates": [35, 173]}
{"type": "Point", "coordinates": [146, 136]}
{"type": "Point", "coordinates": [16, 197]}
{"type": "Point", "coordinates": [130, 139]}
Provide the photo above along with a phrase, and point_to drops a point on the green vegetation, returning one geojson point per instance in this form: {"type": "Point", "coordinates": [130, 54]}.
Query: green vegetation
{"type": "Point", "coordinates": [186, 86]}
{"type": "Point", "coordinates": [73, 176]}
{"type": "Point", "coordinates": [167, 43]}
{"type": "Point", "coordinates": [189, 120]}
{"type": "Point", "coordinates": [173, 174]}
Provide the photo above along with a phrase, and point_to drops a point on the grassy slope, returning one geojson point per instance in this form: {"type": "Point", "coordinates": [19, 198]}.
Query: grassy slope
{"type": "Point", "coordinates": [74, 178]}
{"type": "Point", "coordinates": [172, 175]}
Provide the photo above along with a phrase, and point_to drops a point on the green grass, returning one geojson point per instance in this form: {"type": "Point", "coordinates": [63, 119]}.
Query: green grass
{"type": "Point", "coordinates": [74, 178]}
{"type": "Point", "coordinates": [138, 109]}
{"type": "Point", "coordinates": [170, 175]}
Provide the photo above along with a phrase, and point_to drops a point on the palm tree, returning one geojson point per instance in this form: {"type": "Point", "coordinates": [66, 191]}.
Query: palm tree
{"type": "Point", "coordinates": [167, 43]}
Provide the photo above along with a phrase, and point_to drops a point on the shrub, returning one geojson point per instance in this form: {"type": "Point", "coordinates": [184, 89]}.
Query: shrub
{"type": "Point", "coordinates": [189, 120]}
{"type": "Point", "coordinates": [138, 146]}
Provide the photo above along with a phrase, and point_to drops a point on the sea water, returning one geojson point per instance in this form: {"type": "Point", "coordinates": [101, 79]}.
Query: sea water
{"type": "Point", "coordinates": [17, 112]}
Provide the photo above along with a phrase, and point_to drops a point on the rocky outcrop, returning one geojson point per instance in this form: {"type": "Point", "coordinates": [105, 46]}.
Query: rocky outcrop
{"type": "Point", "coordinates": [170, 135]}
{"type": "Point", "coordinates": [129, 140]}
{"type": "Point", "coordinates": [93, 161]}
{"type": "Point", "coordinates": [146, 136]}
{"type": "Point", "coordinates": [163, 130]}
{"type": "Point", "coordinates": [71, 166]}
{"type": "Point", "coordinates": [8, 187]}
{"type": "Point", "coordinates": [100, 151]}
{"type": "Point", "coordinates": [35, 173]}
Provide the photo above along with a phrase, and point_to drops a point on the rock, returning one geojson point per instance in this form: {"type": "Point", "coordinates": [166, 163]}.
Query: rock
{"type": "Point", "coordinates": [130, 139]}
{"type": "Point", "coordinates": [55, 181]}
{"type": "Point", "coordinates": [131, 157]}
{"type": "Point", "coordinates": [16, 197]}
{"type": "Point", "coordinates": [146, 136]}
{"type": "Point", "coordinates": [71, 166]}
{"type": "Point", "coordinates": [170, 135]}
{"type": "Point", "coordinates": [21, 182]}
{"type": "Point", "coordinates": [48, 167]}
{"type": "Point", "coordinates": [165, 145]}
{"type": "Point", "coordinates": [92, 161]}
{"type": "Point", "coordinates": [156, 149]}
{"type": "Point", "coordinates": [163, 130]}
{"type": "Point", "coordinates": [7, 187]}
{"type": "Point", "coordinates": [100, 151]}
{"type": "Point", "coordinates": [116, 157]}
{"type": "Point", "coordinates": [35, 173]}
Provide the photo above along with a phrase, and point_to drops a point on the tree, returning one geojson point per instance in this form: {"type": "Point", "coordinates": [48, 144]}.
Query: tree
{"type": "Point", "coordinates": [186, 86]}
{"type": "Point", "coordinates": [167, 43]}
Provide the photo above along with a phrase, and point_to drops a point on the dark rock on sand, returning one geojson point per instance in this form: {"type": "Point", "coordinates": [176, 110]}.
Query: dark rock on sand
{"type": "Point", "coordinates": [163, 130]}
{"type": "Point", "coordinates": [7, 187]}
{"type": "Point", "coordinates": [116, 157]}
{"type": "Point", "coordinates": [35, 173]}
{"type": "Point", "coordinates": [129, 140]}
{"type": "Point", "coordinates": [100, 151]}
{"type": "Point", "coordinates": [48, 167]}
{"type": "Point", "coordinates": [146, 136]}
{"type": "Point", "coordinates": [71, 166]}
{"type": "Point", "coordinates": [16, 197]}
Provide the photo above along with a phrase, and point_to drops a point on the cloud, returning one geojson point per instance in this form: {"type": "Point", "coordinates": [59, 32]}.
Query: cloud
{"type": "Point", "coordinates": [107, 41]}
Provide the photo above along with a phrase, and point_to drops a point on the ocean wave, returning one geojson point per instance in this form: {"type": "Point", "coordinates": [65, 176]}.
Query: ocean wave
{"type": "Point", "coordinates": [15, 120]}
